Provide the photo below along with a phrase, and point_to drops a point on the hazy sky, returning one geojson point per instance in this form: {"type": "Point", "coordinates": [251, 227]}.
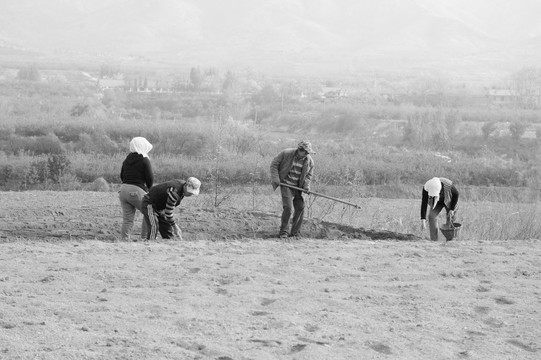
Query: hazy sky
{"type": "Point", "coordinates": [340, 33]}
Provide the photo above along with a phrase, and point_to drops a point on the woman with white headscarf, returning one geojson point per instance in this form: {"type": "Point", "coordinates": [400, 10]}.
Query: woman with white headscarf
{"type": "Point", "coordinates": [137, 178]}
{"type": "Point", "coordinates": [438, 193]}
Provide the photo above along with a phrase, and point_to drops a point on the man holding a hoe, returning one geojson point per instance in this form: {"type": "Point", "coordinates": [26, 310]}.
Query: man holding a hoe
{"type": "Point", "coordinates": [292, 167]}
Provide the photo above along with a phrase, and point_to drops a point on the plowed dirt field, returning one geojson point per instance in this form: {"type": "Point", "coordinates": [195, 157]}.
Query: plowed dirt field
{"type": "Point", "coordinates": [70, 290]}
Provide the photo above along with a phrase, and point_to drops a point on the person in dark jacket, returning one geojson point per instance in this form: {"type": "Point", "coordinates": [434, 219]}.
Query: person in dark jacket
{"type": "Point", "coordinates": [159, 203]}
{"type": "Point", "coordinates": [137, 178]}
{"type": "Point", "coordinates": [438, 193]}
{"type": "Point", "coordinates": [292, 167]}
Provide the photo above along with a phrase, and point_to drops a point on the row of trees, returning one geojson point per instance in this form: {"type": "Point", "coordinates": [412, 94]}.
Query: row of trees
{"type": "Point", "coordinates": [438, 128]}
{"type": "Point", "coordinates": [29, 73]}
{"type": "Point", "coordinates": [59, 122]}
{"type": "Point", "coordinates": [523, 87]}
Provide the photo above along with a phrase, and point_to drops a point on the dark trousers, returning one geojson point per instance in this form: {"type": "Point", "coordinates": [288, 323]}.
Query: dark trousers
{"type": "Point", "coordinates": [433, 219]}
{"type": "Point", "coordinates": [156, 222]}
{"type": "Point", "coordinates": [292, 202]}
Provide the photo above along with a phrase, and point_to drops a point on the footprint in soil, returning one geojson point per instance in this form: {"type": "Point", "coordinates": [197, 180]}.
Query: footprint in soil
{"type": "Point", "coordinates": [266, 342]}
{"type": "Point", "coordinates": [475, 333]}
{"type": "Point", "coordinates": [492, 322]}
{"type": "Point", "coordinates": [379, 347]}
{"type": "Point", "coordinates": [5, 325]}
{"type": "Point", "coordinates": [482, 310]}
{"type": "Point", "coordinates": [311, 328]}
{"type": "Point", "coordinates": [296, 348]}
{"type": "Point", "coordinates": [503, 301]}
{"type": "Point", "coordinates": [259, 313]}
{"type": "Point", "coordinates": [220, 291]}
{"type": "Point", "coordinates": [266, 301]}
{"type": "Point", "coordinates": [521, 345]}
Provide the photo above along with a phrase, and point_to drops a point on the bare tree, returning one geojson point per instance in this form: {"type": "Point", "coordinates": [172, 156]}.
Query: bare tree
{"type": "Point", "coordinates": [525, 86]}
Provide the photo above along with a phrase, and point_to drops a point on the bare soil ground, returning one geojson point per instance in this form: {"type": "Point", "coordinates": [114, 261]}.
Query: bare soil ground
{"type": "Point", "coordinates": [231, 290]}
{"type": "Point", "coordinates": [97, 215]}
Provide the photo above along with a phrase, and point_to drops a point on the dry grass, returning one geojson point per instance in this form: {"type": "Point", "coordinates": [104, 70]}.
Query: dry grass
{"type": "Point", "coordinates": [481, 220]}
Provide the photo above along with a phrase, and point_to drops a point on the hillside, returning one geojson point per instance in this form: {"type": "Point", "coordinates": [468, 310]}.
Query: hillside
{"type": "Point", "coordinates": [268, 34]}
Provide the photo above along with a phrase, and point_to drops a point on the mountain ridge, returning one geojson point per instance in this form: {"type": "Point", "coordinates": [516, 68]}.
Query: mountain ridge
{"type": "Point", "coordinates": [348, 33]}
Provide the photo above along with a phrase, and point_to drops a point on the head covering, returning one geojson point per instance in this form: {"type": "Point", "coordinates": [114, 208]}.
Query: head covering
{"type": "Point", "coordinates": [433, 186]}
{"type": "Point", "coordinates": [140, 145]}
{"type": "Point", "coordinates": [306, 146]}
{"type": "Point", "coordinates": [192, 186]}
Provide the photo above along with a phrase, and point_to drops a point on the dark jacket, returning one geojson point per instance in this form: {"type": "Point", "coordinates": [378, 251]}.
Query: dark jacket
{"type": "Point", "coordinates": [165, 197]}
{"type": "Point", "coordinates": [448, 197]}
{"type": "Point", "coordinates": [136, 170]}
{"type": "Point", "coordinates": [282, 163]}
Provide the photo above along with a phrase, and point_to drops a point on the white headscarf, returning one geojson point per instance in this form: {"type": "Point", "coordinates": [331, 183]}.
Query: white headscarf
{"type": "Point", "coordinates": [433, 188]}
{"type": "Point", "coordinates": [140, 145]}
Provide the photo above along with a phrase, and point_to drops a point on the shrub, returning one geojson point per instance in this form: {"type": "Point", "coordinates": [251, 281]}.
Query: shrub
{"type": "Point", "coordinates": [53, 169]}
{"type": "Point", "coordinates": [32, 130]}
{"type": "Point", "coordinates": [6, 173]}
{"type": "Point", "coordinates": [58, 165]}
{"type": "Point", "coordinates": [517, 129]}
{"type": "Point", "coordinates": [100, 184]}
{"type": "Point", "coordinates": [69, 182]}
{"type": "Point", "coordinates": [426, 130]}
{"type": "Point", "coordinates": [36, 145]}
{"type": "Point", "coordinates": [48, 144]}
{"type": "Point", "coordinates": [15, 177]}
{"type": "Point", "coordinates": [79, 109]}
{"type": "Point", "coordinates": [6, 133]}
{"type": "Point", "coordinates": [109, 98]}
{"type": "Point", "coordinates": [39, 172]}
{"type": "Point", "coordinates": [96, 142]}
{"type": "Point", "coordinates": [488, 129]}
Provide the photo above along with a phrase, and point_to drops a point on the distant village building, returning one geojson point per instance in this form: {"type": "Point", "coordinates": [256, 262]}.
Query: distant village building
{"type": "Point", "coordinates": [105, 84]}
{"type": "Point", "coordinates": [501, 96]}
{"type": "Point", "coordinates": [332, 93]}
{"type": "Point", "coordinates": [390, 97]}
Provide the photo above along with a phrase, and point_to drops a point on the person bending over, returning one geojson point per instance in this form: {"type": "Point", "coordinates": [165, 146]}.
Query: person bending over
{"type": "Point", "coordinates": [438, 193]}
{"type": "Point", "coordinates": [159, 203]}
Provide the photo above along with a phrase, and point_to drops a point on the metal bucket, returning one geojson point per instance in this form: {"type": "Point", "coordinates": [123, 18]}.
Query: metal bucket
{"type": "Point", "coordinates": [451, 231]}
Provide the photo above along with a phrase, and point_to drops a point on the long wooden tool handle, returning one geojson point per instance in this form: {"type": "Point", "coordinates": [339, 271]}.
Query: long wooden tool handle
{"type": "Point", "coordinates": [322, 195]}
